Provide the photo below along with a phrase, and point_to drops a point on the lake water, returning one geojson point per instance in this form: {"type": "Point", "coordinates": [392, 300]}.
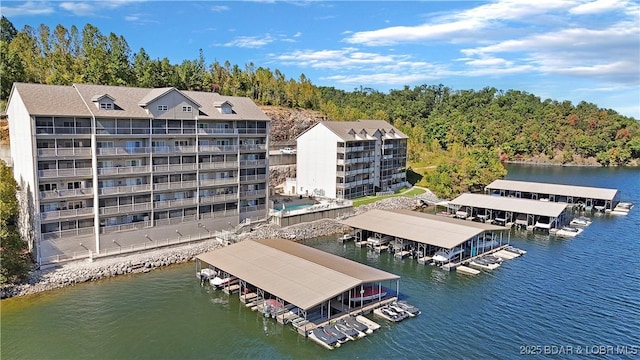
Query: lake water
{"type": "Point", "coordinates": [578, 295]}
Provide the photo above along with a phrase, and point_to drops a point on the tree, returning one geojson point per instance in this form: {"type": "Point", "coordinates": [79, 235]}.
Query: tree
{"type": "Point", "coordinates": [14, 259]}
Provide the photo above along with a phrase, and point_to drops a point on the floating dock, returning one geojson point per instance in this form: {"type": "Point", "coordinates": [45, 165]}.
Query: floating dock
{"type": "Point", "coordinates": [467, 270]}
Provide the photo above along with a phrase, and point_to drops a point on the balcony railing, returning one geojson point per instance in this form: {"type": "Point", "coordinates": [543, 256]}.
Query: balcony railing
{"type": "Point", "coordinates": [174, 167]}
{"type": "Point", "coordinates": [121, 209]}
{"type": "Point", "coordinates": [62, 130]}
{"type": "Point", "coordinates": [175, 185]}
{"type": "Point", "coordinates": [67, 233]}
{"type": "Point", "coordinates": [65, 193]}
{"type": "Point", "coordinates": [253, 147]}
{"type": "Point", "coordinates": [252, 163]}
{"type": "Point", "coordinates": [64, 172]}
{"type": "Point", "coordinates": [246, 209]}
{"type": "Point", "coordinates": [219, 165]}
{"type": "Point", "coordinates": [86, 151]}
{"type": "Point", "coordinates": [174, 149]}
{"type": "Point", "coordinates": [119, 150]}
{"type": "Point", "coordinates": [123, 131]}
{"type": "Point", "coordinates": [252, 130]}
{"type": "Point", "coordinates": [219, 214]}
{"type": "Point", "coordinates": [222, 181]}
{"type": "Point", "coordinates": [248, 178]}
{"type": "Point", "coordinates": [61, 214]}
{"type": "Point", "coordinates": [163, 204]}
{"type": "Point", "coordinates": [176, 220]}
{"type": "Point", "coordinates": [126, 189]}
{"type": "Point", "coordinates": [119, 170]}
{"type": "Point", "coordinates": [253, 193]}
{"type": "Point", "coordinates": [216, 131]}
{"type": "Point", "coordinates": [218, 148]}
{"type": "Point", "coordinates": [122, 227]}
{"type": "Point", "coordinates": [209, 199]}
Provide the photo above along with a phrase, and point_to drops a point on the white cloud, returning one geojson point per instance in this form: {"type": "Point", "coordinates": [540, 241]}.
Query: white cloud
{"type": "Point", "coordinates": [219, 8]}
{"type": "Point", "coordinates": [598, 6]}
{"type": "Point", "coordinates": [84, 8]}
{"type": "Point", "coordinates": [250, 41]}
{"type": "Point", "coordinates": [26, 9]}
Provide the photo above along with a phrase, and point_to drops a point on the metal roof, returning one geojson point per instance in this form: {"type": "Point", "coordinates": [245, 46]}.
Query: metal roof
{"type": "Point", "coordinates": [502, 203]}
{"type": "Point", "coordinates": [555, 189]}
{"type": "Point", "coordinates": [424, 228]}
{"type": "Point", "coordinates": [296, 273]}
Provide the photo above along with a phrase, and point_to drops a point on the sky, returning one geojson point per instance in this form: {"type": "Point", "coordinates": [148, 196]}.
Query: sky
{"type": "Point", "coordinates": [575, 50]}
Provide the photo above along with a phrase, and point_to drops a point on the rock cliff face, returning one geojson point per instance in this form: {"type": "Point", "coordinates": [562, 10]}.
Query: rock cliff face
{"type": "Point", "coordinates": [287, 124]}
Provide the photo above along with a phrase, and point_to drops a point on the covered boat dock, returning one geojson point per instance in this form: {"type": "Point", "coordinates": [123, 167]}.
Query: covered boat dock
{"type": "Point", "coordinates": [425, 234]}
{"type": "Point", "coordinates": [602, 199]}
{"type": "Point", "coordinates": [302, 285]}
{"type": "Point", "coordinates": [509, 211]}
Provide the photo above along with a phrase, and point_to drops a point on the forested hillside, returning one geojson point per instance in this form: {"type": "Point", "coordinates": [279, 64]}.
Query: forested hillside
{"type": "Point", "coordinates": [457, 137]}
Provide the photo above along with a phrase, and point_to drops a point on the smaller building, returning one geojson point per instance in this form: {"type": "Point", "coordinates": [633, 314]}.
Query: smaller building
{"type": "Point", "coordinates": [504, 210]}
{"type": "Point", "coordinates": [590, 197]}
{"type": "Point", "coordinates": [350, 159]}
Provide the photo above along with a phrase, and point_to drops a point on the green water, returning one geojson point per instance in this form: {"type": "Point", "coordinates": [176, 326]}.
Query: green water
{"type": "Point", "coordinates": [561, 293]}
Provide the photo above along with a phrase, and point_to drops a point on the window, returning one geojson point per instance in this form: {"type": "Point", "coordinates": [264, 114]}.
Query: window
{"type": "Point", "coordinates": [105, 144]}
{"type": "Point", "coordinates": [106, 106]}
{"type": "Point", "coordinates": [186, 108]}
{"type": "Point", "coordinates": [163, 107]}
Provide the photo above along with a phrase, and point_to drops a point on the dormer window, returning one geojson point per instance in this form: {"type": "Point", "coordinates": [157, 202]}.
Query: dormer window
{"type": "Point", "coordinates": [104, 101]}
{"type": "Point", "coordinates": [224, 107]}
{"type": "Point", "coordinates": [163, 107]}
{"type": "Point", "coordinates": [106, 106]}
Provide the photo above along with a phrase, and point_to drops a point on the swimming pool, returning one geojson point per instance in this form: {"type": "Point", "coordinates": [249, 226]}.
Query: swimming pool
{"type": "Point", "coordinates": [292, 207]}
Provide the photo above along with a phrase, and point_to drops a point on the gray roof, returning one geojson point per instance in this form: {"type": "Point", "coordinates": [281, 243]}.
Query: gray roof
{"type": "Point", "coordinates": [502, 203]}
{"type": "Point", "coordinates": [424, 228]}
{"type": "Point", "coordinates": [296, 273]}
{"type": "Point", "coordinates": [77, 100]}
{"type": "Point", "coordinates": [362, 129]}
{"type": "Point", "coordinates": [556, 189]}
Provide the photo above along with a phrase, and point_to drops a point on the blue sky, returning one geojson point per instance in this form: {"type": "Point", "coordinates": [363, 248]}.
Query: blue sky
{"type": "Point", "coordinates": [564, 50]}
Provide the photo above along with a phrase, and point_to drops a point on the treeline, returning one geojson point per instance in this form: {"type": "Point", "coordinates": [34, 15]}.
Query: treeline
{"type": "Point", "coordinates": [505, 124]}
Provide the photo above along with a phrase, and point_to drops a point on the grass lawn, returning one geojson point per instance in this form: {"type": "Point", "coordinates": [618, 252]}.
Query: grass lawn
{"type": "Point", "coordinates": [370, 199]}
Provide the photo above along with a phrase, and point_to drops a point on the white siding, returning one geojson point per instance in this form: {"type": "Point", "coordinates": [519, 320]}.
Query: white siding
{"type": "Point", "coordinates": [316, 162]}
{"type": "Point", "coordinates": [22, 141]}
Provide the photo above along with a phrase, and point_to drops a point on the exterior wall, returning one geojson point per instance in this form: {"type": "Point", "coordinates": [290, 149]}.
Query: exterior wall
{"type": "Point", "coordinates": [316, 162]}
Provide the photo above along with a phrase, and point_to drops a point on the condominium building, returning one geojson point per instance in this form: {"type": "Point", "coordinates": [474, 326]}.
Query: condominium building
{"type": "Point", "coordinates": [346, 160]}
{"type": "Point", "coordinates": [105, 164]}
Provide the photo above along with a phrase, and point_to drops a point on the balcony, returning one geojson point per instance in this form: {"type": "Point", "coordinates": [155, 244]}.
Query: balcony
{"type": "Point", "coordinates": [123, 151]}
{"type": "Point", "coordinates": [175, 185]}
{"type": "Point", "coordinates": [252, 178]}
{"type": "Point", "coordinates": [221, 181]}
{"type": "Point", "coordinates": [73, 172]}
{"type": "Point", "coordinates": [175, 167]}
{"type": "Point", "coordinates": [121, 209]}
{"type": "Point", "coordinates": [251, 131]}
{"type": "Point", "coordinates": [253, 163]}
{"type": "Point", "coordinates": [65, 193]}
{"type": "Point", "coordinates": [124, 170]}
{"type": "Point", "coordinates": [210, 199]}
{"type": "Point", "coordinates": [65, 214]}
{"type": "Point", "coordinates": [164, 204]}
{"type": "Point", "coordinates": [123, 131]}
{"type": "Point", "coordinates": [219, 214]}
{"type": "Point", "coordinates": [63, 130]}
{"type": "Point", "coordinates": [55, 152]}
{"type": "Point", "coordinates": [219, 165]}
{"type": "Point", "coordinates": [253, 147]}
{"type": "Point", "coordinates": [175, 149]}
{"type": "Point", "coordinates": [246, 209]}
{"type": "Point", "coordinates": [216, 131]}
{"type": "Point", "coordinates": [127, 189]}
{"type": "Point", "coordinates": [253, 193]}
{"type": "Point", "coordinates": [218, 148]}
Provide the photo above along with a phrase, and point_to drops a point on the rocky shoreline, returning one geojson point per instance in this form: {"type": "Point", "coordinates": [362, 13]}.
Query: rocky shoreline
{"type": "Point", "coordinates": [83, 271]}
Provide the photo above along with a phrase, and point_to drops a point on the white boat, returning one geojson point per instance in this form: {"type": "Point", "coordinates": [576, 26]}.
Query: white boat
{"type": "Point", "coordinates": [346, 237]}
{"type": "Point", "coordinates": [222, 282]}
{"type": "Point", "coordinates": [569, 231]}
{"type": "Point", "coordinates": [622, 208]}
{"type": "Point", "coordinates": [206, 274]}
{"type": "Point", "coordinates": [377, 241]}
{"type": "Point", "coordinates": [446, 255]}
{"type": "Point", "coordinates": [581, 221]}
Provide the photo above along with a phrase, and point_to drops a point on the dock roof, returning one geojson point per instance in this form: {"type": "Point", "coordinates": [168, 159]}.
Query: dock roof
{"type": "Point", "coordinates": [555, 189]}
{"type": "Point", "coordinates": [523, 206]}
{"type": "Point", "coordinates": [420, 227]}
{"type": "Point", "coordinates": [296, 273]}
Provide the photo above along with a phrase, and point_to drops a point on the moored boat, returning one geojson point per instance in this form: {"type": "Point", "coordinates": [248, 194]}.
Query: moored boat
{"type": "Point", "coordinates": [569, 231]}
{"type": "Point", "coordinates": [581, 221]}
{"type": "Point", "coordinates": [622, 208]}
{"type": "Point", "coordinates": [223, 282]}
{"type": "Point", "coordinates": [446, 255]}
{"type": "Point", "coordinates": [367, 293]}
{"type": "Point", "coordinates": [346, 237]}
